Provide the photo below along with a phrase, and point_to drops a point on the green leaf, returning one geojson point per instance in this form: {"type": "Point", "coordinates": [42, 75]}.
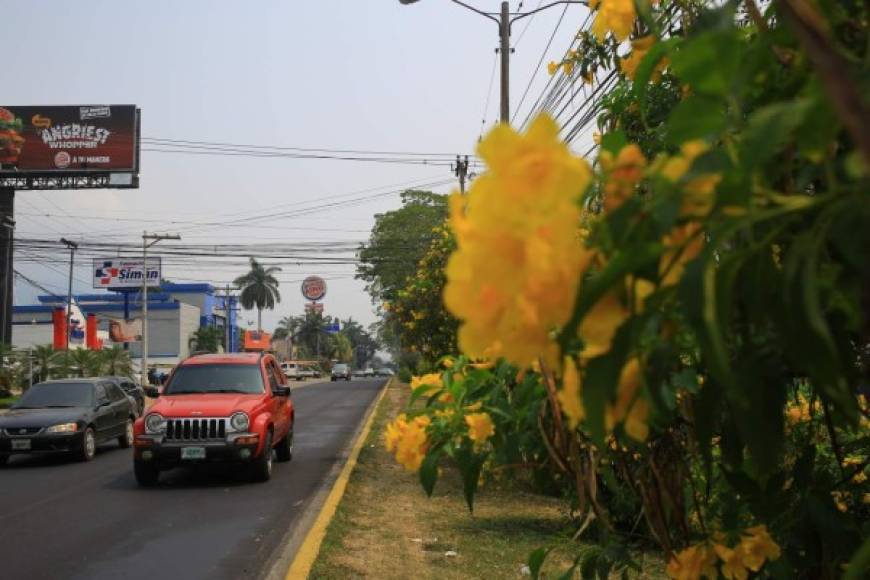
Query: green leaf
{"type": "Point", "coordinates": [613, 141]}
{"type": "Point", "coordinates": [708, 62]}
{"type": "Point", "coordinates": [429, 471]}
{"type": "Point", "coordinates": [769, 128]}
{"type": "Point", "coordinates": [536, 560]}
{"type": "Point", "coordinates": [696, 117]}
{"type": "Point", "coordinates": [860, 563]}
{"type": "Point", "coordinates": [645, 69]}
{"type": "Point", "coordinates": [470, 465]}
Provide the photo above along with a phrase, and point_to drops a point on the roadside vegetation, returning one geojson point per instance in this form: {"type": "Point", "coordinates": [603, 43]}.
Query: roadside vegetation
{"type": "Point", "coordinates": [672, 336]}
{"type": "Point", "coordinates": [385, 527]}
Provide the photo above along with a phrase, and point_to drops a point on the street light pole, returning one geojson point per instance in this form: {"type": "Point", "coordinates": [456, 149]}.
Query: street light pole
{"type": "Point", "coordinates": [143, 370]}
{"type": "Point", "coordinates": [72, 253]}
{"type": "Point", "coordinates": [505, 22]}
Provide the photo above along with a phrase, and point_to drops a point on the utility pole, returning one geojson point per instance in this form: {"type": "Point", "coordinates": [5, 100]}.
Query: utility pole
{"type": "Point", "coordinates": [461, 171]}
{"type": "Point", "coordinates": [72, 254]}
{"type": "Point", "coordinates": [154, 238]}
{"type": "Point", "coordinates": [7, 271]}
{"type": "Point", "coordinates": [505, 22]}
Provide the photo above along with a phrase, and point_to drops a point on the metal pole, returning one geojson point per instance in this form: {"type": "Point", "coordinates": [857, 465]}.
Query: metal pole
{"type": "Point", "coordinates": [504, 29]}
{"type": "Point", "coordinates": [7, 221]}
{"type": "Point", "coordinates": [143, 366]}
{"type": "Point", "coordinates": [30, 360]}
{"type": "Point", "coordinates": [72, 254]}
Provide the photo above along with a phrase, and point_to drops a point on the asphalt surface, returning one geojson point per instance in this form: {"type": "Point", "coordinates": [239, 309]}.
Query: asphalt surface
{"type": "Point", "coordinates": [63, 519]}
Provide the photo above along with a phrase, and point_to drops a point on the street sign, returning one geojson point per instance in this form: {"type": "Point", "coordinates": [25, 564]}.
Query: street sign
{"type": "Point", "coordinates": [314, 306]}
{"type": "Point", "coordinates": [113, 273]}
{"type": "Point", "coordinates": [314, 288]}
{"type": "Point", "coordinates": [333, 328]}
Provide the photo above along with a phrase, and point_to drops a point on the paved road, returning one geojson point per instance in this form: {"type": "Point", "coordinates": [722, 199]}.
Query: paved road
{"type": "Point", "coordinates": [62, 519]}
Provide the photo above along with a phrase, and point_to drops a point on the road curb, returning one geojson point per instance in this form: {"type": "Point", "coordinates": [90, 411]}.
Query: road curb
{"type": "Point", "coordinates": [303, 545]}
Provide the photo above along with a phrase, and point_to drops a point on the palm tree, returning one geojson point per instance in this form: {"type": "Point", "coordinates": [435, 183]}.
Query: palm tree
{"type": "Point", "coordinates": [206, 338]}
{"type": "Point", "coordinates": [44, 358]}
{"type": "Point", "coordinates": [342, 349]}
{"type": "Point", "coordinates": [7, 368]}
{"type": "Point", "coordinates": [116, 361]}
{"type": "Point", "coordinates": [259, 289]}
{"type": "Point", "coordinates": [287, 326]}
{"type": "Point", "coordinates": [84, 362]}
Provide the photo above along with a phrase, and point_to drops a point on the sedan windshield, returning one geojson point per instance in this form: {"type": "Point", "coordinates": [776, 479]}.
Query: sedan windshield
{"type": "Point", "coordinates": [339, 368]}
{"type": "Point", "coordinates": [216, 378]}
{"type": "Point", "coordinates": [57, 395]}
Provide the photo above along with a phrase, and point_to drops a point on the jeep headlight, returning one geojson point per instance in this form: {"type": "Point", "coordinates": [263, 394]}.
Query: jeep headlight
{"type": "Point", "coordinates": [239, 421]}
{"type": "Point", "coordinates": [62, 428]}
{"type": "Point", "coordinates": [155, 423]}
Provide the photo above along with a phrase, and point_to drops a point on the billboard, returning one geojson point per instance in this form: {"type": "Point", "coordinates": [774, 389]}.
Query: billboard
{"type": "Point", "coordinates": [125, 330]}
{"type": "Point", "coordinates": [313, 288]}
{"type": "Point", "coordinates": [119, 273]}
{"type": "Point", "coordinates": [69, 139]}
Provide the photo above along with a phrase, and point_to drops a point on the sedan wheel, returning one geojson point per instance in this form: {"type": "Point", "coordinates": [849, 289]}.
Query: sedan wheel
{"type": "Point", "coordinates": [88, 446]}
{"type": "Point", "coordinates": [126, 440]}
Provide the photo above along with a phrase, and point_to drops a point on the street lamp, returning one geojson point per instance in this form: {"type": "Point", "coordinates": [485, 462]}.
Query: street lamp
{"type": "Point", "coordinates": [505, 22]}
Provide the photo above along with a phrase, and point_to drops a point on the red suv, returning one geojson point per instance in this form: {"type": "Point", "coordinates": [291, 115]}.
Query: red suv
{"type": "Point", "coordinates": [217, 408]}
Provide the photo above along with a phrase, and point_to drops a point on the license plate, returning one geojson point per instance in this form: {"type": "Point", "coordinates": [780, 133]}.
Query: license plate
{"type": "Point", "coordinates": [193, 452]}
{"type": "Point", "coordinates": [21, 444]}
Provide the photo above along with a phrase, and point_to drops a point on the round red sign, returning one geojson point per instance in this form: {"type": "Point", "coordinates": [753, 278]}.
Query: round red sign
{"type": "Point", "coordinates": [314, 288]}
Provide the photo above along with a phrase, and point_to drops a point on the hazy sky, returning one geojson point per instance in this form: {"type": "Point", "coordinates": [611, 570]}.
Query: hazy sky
{"type": "Point", "coordinates": [337, 74]}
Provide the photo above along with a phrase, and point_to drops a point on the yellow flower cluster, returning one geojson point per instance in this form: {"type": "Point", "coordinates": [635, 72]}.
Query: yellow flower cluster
{"type": "Point", "coordinates": [622, 174]}
{"type": "Point", "coordinates": [520, 257]}
{"type": "Point", "coordinates": [801, 412]}
{"type": "Point", "coordinates": [754, 549]}
{"type": "Point", "coordinates": [615, 16]}
{"type": "Point", "coordinates": [480, 427]}
{"type": "Point", "coordinates": [639, 48]}
{"type": "Point", "coordinates": [698, 191]}
{"type": "Point", "coordinates": [432, 380]}
{"type": "Point", "coordinates": [407, 440]}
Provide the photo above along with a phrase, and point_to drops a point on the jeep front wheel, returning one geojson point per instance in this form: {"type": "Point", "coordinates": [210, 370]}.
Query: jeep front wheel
{"type": "Point", "coordinates": [147, 474]}
{"type": "Point", "coordinates": [284, 450]}
{"type": "Point", "coordinates": [261, 467]}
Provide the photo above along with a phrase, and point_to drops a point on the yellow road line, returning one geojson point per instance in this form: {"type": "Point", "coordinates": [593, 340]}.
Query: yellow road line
{"type": "Point", "coordinates": [304, 559]}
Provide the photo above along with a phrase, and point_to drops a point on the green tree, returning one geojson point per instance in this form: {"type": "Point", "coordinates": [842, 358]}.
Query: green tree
{"type": "Point", "coordinates": [206, 338]}
{"type": "Point", "coordinates": [116, 361]}
{"type": "Point", "coordinates": [363, 343]}
{"type": "Point", "coordinates": [398, 240]}
{"type": "Point", "coordinates": [83, 362]}
{"type": "Point", "coordinates": [44, 358]}
{"type": "Point", "coordinates": [342, 349]}
{"type": "Point", "coordinates": [259, 289]}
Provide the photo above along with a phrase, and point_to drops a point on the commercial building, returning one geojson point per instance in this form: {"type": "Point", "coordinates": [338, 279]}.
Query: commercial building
{"type": "Point", "coordinates": [175, 312]}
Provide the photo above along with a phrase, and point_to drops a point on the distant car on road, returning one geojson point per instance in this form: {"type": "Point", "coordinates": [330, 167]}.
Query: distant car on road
{"type": "Point", "coordinates": [340, 371]}
{"type": "Point", "coordinates": [132, 390]}
{"type": "Point", "coordinates": [368, 372]}
{"type": "Point", "coordinates": [384, 372]}
{"type": "Point", "coordinates": [67, 416]}
{"type": "Point", "coordinates": [292, 371]}
{"type": "Point", "coordinates": [217, 408]}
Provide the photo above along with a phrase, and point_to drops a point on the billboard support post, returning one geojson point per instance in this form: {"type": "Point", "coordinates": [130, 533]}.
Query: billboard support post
{"type": "Point", "coordinates": [143, 372]}
{"type": "Point", "coordinates": [7, 211]}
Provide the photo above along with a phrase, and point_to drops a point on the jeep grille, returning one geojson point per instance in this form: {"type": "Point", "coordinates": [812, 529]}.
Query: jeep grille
{"type": "Point", "coordinates": [199, 429]}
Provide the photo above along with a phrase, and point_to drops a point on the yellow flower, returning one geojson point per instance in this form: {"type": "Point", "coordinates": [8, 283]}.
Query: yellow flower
{"type": "Point", "coordinates": [515, 273]}
{"type": "Point", "coordinates": [447, 362]}
{"type": "Point", "coordinates": [568, 67]}
{"type": "Point", "coordinates": [732, 563]}
{"type": "Point", "coordinates": [693, 563]}
{"type": "Point", "coordinates": [682, 245]}
{"type": "Point", "coordinates": [600, 324]}
{"type": "Point", "coordinates": [408, 440]}
{"type": "Point", "coordinates": [629, 406]}
{"type": "Point", "coordinates": [859, 478]}
{"type": "Point", "coordinates": [552, 67]}
{"type": "Point", "coordinates": [757, 546]}
{"type": "Point", "coordinates": [866, 499]}
{"type": "Point", "coordinates": [571, 397]}
{"type": "Point", "coordinates": [596, 137]}
{"type": "Point", "coordinates": [476, 406]}
{"type": "Point", "coordinates": [616, 16]}
{"type": "Point", "coordinates": [639, 48]}
{"type": "Point", "coordinates": [623, 174]}
{"type": "Point", "coordinates": [432, 380]}
{"type": "Point", "coordinates": [480, 427]}
{"type": "Point", "coordinates": [840, 498]}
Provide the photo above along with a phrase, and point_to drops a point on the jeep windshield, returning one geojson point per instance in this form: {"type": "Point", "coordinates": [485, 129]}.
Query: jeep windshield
{"type": "Point", "coordinates": [215, 378]}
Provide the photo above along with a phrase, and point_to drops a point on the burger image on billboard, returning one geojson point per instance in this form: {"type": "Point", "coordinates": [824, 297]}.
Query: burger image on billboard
{"type": "Point", "coordinates": [11, 141]}
{"type": "Point", "coordinates": [314, 288]}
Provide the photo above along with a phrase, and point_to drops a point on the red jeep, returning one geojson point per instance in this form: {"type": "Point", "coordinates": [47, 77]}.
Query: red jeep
{"type": "Point", "coordinates": [217, 408]}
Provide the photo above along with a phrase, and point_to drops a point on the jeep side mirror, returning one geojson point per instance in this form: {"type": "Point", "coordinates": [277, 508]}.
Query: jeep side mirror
{"type": "Point", "coordinates": [152, 392]}
{"type": "Point", "coordinates": [280, 391]}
